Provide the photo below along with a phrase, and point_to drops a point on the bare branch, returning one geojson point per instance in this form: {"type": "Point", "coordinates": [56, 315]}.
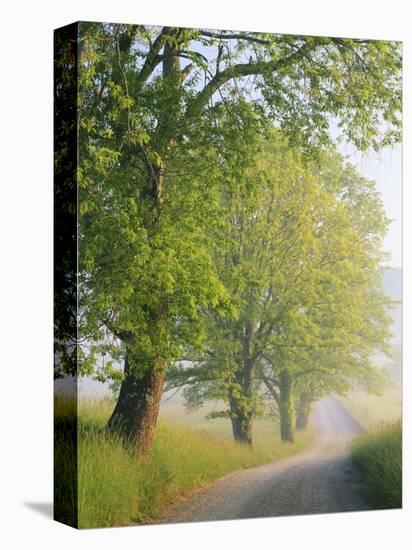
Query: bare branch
{"type": "Point", "coordinates": [235, 36]}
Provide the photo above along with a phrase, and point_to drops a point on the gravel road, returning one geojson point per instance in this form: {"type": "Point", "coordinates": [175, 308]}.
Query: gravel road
{"type": "Point", "coordinates": [320, 480]}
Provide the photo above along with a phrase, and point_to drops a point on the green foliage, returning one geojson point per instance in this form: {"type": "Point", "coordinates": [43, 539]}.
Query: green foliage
{"type": "Point", "coordinates": [206, 234]}
{"type": "Point", "coordinates": [300, 254]}
{"type": "Point", "coordinates": [156, 146]}
{"type": "Point", "coordinates": [356, 82]}
{"type": "Point", "coordinates": [65, 193]}
{"type": "Point", "coordinates": [379, 455]}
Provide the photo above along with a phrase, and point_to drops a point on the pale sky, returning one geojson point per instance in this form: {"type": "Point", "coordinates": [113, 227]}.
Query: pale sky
{"type": "Point", "coordinates": [386, 169]}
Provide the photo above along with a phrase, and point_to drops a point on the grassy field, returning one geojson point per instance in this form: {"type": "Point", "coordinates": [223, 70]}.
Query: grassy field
{"type": "Point", "coordinates": [372, 411]}
{"type": "Point", "coordinates": [379, 455]}
{"type": "Point", "coordinates": [174, 411]}
{"type": "Point", "coordinates": [114, 488]}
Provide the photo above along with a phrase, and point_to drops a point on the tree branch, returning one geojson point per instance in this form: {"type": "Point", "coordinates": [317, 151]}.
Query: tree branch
{"type": "Point", "coordinates": [235, 36]}
{"type": "Point", "coordinates": [244, 69]}
{"type": "Point", "coordinates": [153, 58]}
{"type": "Point", "coordinates": [272, 390]}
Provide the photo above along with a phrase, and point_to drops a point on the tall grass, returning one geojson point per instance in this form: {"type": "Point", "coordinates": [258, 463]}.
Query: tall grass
{"type": "Point", "coordinates": [379, 455]}
{"type": "Point", "coordinates": [114, 488]}
{"type": "Point", "coordinates": [65, 461]}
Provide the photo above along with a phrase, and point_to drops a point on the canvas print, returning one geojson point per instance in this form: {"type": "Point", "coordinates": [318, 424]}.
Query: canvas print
{"type": "Point", "coordinates": [227, 274]}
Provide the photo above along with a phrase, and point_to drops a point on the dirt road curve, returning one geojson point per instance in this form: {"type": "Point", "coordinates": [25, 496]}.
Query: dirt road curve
{"type": "Point", "coordinates": [320, 480]}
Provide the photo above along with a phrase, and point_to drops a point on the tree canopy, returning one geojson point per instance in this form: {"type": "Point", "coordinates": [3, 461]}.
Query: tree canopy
{"type": "Point", "coordinates": [166, 118]}
{"type": "Point", "coordinates": [301, 259]}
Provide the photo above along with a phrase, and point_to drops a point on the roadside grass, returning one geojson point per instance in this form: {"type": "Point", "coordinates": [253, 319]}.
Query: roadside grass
{"type": "Point", "coordinates": [65, 461]}
{"type": "Point", "coordinates": [379, 455]}
{"type": "Point", "coordinates": [114, 488]}
{"type": "Point", "coordinates": [371, 410]}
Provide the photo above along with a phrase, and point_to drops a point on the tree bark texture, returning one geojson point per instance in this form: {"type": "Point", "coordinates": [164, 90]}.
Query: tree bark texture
{"type": "Point", "coordinates": [303, 411]}
{"type": "Point", "coordinates": [286, 407]}
{"type": "Point", "coordinates": [242, 424]}
{"type": "Point", "coordinates": [240, 409]}
{"type": "Point", "coordinates": [137, 407]}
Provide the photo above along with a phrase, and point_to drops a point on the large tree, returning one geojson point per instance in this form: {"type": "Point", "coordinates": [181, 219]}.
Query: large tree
{"type": "Point", "coordinates": [301, 260]}
{"type": "Point", "coordinates": [151, 145]}
{"type": "Point", "coordinates": [330, 334]}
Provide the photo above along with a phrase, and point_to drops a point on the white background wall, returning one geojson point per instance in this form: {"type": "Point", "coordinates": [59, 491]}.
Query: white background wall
{"type": "Point", "coordinates": [26, 270]}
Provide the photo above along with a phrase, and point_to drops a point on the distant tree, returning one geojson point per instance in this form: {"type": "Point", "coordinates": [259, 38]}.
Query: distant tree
{"type": "Point", "coordinates": [301, 262]}
{"type": "Point", "coordinates": [326, 342]}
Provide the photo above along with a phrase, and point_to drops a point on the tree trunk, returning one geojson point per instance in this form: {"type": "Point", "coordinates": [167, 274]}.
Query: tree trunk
{"type": "Point", "coordinates": [303, 411]}
{"type": "Point", "coordinates": [137, 407]}
{"type": "Point", "coordinates": [286, 408]}
{"type": "Point", "coordinates": [241, 424]}
{"type": "Point", "coordinates": [240, 409]}
{"type": "Point", "coordinates": [242, 430]}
